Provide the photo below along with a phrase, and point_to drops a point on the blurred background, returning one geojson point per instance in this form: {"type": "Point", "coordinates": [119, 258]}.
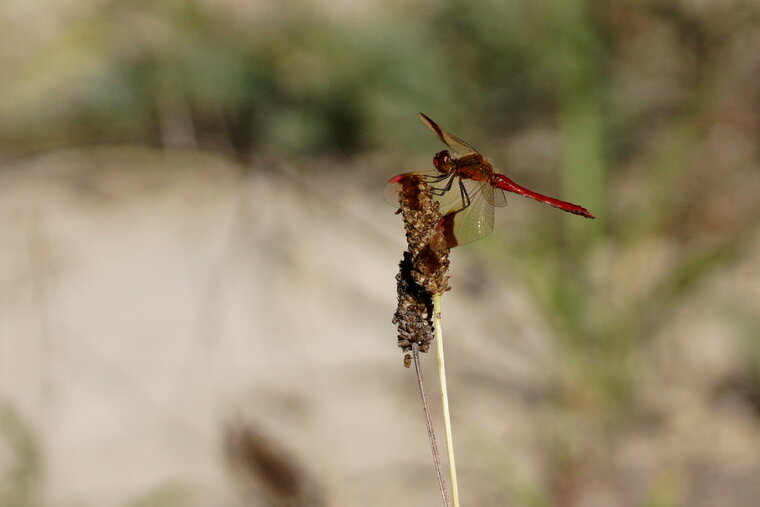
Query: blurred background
{"type": "Point", "coordinates": [197, 266]}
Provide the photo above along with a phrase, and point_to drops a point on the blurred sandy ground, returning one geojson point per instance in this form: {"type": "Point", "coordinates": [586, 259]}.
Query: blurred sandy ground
{"type": "Point", "coordinates": [151, 299]}
{"type": "Point", "coordinates": [154, 301]}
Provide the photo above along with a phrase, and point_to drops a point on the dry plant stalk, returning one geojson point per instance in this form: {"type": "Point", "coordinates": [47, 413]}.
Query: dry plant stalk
{"type": "Point", "coordinates": [422, 278]}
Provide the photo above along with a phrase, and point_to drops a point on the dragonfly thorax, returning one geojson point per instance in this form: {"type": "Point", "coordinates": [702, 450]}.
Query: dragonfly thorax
{"type": "Point", "coordinates": [474, 167]}
{"type": "Point", "coordinates": [442, 162]}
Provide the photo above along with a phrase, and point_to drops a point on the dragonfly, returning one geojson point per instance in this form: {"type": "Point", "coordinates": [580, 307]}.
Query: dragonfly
{"type": "Point", "coordinates": [468, 188]}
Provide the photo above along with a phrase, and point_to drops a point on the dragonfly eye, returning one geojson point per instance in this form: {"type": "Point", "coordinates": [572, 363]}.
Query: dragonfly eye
{"type": "Point", "coordinates": [442, 161]}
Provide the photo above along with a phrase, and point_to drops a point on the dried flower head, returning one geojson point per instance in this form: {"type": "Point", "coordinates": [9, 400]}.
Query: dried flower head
{"type": "Point", "coordinates": [423, 268]}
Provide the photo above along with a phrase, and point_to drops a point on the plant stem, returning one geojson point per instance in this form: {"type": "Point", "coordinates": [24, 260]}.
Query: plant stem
{"type": "Point", "coordinates": [445, 398]}
{"type": "Point", "coordinates": [429, 425]}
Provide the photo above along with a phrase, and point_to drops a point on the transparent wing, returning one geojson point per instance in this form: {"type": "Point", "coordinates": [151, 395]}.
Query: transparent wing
{"type": "Point", "coordinates": [452, 141]}
{"type": "Point", "coordinates": [496, 197]}
{"type": "Point", "coordinates": [466, 224]}
{"type": "Point", "coordinates": [454, 199]}
{"type": "Point", "coordinates": [453, 193]}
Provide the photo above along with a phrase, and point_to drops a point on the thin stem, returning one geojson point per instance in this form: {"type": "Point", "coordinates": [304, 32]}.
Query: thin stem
{"type": "Point", "coordinates": [445, 398]}
{"type": "Point", "coordinates": [429, 425]}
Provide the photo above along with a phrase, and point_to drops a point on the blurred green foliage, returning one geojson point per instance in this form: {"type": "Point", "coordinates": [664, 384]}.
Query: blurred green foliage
{"type": "Point", "coordinates": [22, 463]}
{"type": "Point", "coordinates": [180, 74]}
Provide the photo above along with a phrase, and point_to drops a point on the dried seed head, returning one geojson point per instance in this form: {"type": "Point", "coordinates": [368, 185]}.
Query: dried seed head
{"type": "Point", "coordinates": [421, 222]}
{"type": "Point", "coordinates": [423, 269]}
{"type": "Point", "coordinates": [414, 311]}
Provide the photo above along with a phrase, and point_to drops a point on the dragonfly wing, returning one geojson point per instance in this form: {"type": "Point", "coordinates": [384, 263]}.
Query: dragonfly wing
{"type": "Point", "coordinates": [452, 141]}
{"type": "Point", "coordinates": [473, 222]}
{"type": "Point", "coordinates": [495, 196]}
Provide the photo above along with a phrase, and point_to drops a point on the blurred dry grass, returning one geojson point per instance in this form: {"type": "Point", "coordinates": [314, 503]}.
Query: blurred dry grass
{"type": "Point", "coordinates": [234, 258]}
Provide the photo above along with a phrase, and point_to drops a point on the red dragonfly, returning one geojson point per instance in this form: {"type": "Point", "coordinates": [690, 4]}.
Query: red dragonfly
{"type": "Point", "coordinates": [467, 188]}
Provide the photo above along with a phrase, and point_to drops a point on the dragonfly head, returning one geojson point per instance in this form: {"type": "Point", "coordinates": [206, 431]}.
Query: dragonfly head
{"type": "Point", "coordinates": [442, 162]}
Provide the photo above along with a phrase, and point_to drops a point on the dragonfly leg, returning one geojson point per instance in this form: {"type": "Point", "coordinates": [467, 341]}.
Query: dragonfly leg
{"type": "Point", "coordinates": [465, 196]}
{"type": "Point", "coordinates": [435, 178]}
{"type": "Point", "coordinates": [443, 190]}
